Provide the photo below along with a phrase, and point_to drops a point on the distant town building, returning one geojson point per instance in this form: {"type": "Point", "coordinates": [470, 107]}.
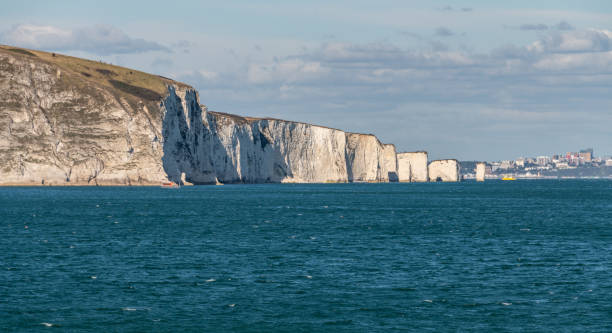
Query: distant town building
{"type": "Point", "coordinates": [586, 155]}
{"type": "Point", "coordinates": [542, 160]}
{"type": "Point", "coordinates": [572, 158]}
{"type": "Point", "coordinates": [548, 166]}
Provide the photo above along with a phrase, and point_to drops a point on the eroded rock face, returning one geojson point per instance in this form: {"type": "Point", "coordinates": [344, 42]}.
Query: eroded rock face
{"type": "Point", "coordinates": [412, 166]}
{"type": "Point", "coordinates": [444, 171]}
{"type": "Point", "coordinates": [61, 127]}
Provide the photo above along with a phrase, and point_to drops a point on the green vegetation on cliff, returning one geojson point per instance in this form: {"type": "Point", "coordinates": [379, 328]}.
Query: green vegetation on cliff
{"type": "Point", "coordinates": [123, 80]}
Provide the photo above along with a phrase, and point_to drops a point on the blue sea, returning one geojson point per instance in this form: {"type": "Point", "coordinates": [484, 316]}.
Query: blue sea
{"type": "Point", "coordinates": [523, 256]}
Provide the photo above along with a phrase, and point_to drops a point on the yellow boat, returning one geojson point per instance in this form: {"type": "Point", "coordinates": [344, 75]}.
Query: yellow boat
{"type": "Point", "coordinates": [508, 178]}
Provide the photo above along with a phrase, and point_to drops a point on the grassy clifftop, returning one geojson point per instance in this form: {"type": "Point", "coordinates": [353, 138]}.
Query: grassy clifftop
{"type": "Point", "coordinates": [142, 85]}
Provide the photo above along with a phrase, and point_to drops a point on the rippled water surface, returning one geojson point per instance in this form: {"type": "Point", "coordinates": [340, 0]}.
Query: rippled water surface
{"type": "Point", "coordinates": [499, 256]}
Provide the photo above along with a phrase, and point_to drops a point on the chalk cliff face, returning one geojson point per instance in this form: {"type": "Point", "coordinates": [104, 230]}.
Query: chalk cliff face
{"type": "Point", "coordinates": [209, 147]}
{"type": "Point", "coordinates": [365, 158]}
{"type": "Point", "coordinates": [69, 121]}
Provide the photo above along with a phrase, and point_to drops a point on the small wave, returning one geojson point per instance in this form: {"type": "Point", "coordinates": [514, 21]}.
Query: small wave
{"type": "Point", "coordinates": [309, 276]}
{"type": "Point", "coordinates": [132, 308]}
{"type": "Point", "coordinates": [506, 303]}
{"type": "Point", "coordinates": [211, 280]}
{"type": "Point", "coordinates": [427, 301]}
{"type": "Point", "coordinates": [93, 277]}
{"type": "Point", "coordinates": [47, 324]}
{"type": "Point", "coordinates": [232, 305]}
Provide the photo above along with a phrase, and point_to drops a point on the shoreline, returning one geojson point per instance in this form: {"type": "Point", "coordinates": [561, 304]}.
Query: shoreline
{"type": "Point", "coordinates": [468, 180]}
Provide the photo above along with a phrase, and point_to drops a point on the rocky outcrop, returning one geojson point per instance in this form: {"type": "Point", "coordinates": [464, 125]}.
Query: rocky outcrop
{"type": "Point", "coordinates": [412, 166]}
{"type": "Point", "coordinates": [444, 171]}
{"type": "Point", "coordinates": [69, 121]}
{"type": "Point", "coordinates": [480, 171]}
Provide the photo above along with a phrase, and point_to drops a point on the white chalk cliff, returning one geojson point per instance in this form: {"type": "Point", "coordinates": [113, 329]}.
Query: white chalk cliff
{"type": "Point", "coordinates": [211, 147]}
{"type": "Point", "coordinates": [68, 121]}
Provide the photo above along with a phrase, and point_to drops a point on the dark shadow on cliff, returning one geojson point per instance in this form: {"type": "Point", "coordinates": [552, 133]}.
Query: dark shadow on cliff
{"type": "Point", "coordinates": [174, 127]}
{"type": "Point", "coordinates": [195, 147]}
{"type": "Point", "coordinates": [218, 149]}
{"type": "Point", "coordinates": [393, 177]}
{"type": "Point", "coordinates": [181, 141]}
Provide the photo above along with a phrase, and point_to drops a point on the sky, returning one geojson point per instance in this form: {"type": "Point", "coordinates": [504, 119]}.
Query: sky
{"type": "Point", "coordinates": [472, 80]}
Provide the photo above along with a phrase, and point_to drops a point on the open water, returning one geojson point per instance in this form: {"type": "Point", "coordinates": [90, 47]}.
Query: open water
{"type": "Point", "coordinates": [499, 256]}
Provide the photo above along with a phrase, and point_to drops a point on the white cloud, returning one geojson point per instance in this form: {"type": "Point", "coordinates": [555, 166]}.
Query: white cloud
{"type": "Point", "coordinates": [208, 74]}
{"type": "Point", "coordinates": [290, 70]}
{"type": "Point", "coordinates": [568, 61]}
{"type": "Point", "coordinates": [99, 39]}
{"type": "Point", "coordinates": [592, 40]}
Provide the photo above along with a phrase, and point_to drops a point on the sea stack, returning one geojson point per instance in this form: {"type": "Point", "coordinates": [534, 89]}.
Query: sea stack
{"type": "Point", "coordinates": [480, 171]}
{"type": "Point", "coordinates": [412, 166]}
{"type": "Point", "coordinates": [444, 171]}
{"type": "Point", "coordinates": [390, 158]}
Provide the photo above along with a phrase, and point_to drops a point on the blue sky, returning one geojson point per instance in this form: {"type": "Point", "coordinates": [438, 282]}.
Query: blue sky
{"type": "Point", "coordinates": [479, 80]}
